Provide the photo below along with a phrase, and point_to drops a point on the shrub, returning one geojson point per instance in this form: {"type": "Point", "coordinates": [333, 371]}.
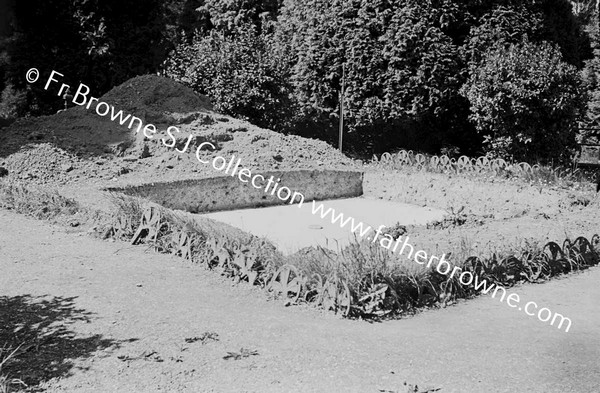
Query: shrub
{"type": "Point", "coordinates": [502, 25]}
{"type": "Point", "coordinates": [13, 103]}
{"type": "Point", "coordinates": [400, 69]}
{"type": "Point", "coordinates": [526, 102]}
{"type": "Point", "coordinates": [242, 73]}
{"type": "Point", "coordinates": [100, 43]}
{"type": "Point", "coordinates": [591, 77]}
{"type": "Point", "coordinates": [227, 15]}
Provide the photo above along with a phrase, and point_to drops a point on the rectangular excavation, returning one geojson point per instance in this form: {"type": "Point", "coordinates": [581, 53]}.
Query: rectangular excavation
{"type": "Point", "coordinates": [229, 193]}
{"type": "Point", "coordinates": [251, 209]}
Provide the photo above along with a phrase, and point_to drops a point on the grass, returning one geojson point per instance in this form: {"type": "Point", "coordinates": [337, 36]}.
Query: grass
{"type": "Point", "coordinates": [8, 384]}
{"type": "Point", "coordinates": [35, 201]}
{"type": "Point", "coordinates": [218, 246]}
{"type": "Point", "coordinates": [363, 279]}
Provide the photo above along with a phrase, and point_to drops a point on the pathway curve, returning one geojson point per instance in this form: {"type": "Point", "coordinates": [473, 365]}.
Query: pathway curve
{"type": "Point", "coordinates": [143, 307]}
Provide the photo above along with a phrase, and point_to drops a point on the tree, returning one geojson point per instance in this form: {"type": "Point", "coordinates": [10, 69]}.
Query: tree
{"type": "Point", "coordinates": [564, 28]}
{"type": "Point", "coordinates": [241, 71]}
{"type": "Point", "coordinates": [229, 15]}
{"type": "Point", "coordinates": [526, 101]}
{"type": "Point", "coordinates": [501, 26]}
{"type": "Point", "coordinates": [399, 65]}
{"type": "Point", "coordinates": [553, 21]}
{"type": "Point", "coordinates": [591, 75]}
{"type": "Point", "coordinates": [99, 42]}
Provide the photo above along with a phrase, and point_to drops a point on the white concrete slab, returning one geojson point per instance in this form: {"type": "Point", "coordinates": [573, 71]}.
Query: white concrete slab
{"type": "Point", "coordinates": [291, 228]}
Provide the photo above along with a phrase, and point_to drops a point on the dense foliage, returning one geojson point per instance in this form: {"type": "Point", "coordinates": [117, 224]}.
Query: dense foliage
{"type": "Point", "coordinates": [398, 67]}
{"type": "Point", "coordinates": [241, 72]}
{"type": "Point", "coordinates": [413, 71]}
{"type": "Point", "coordinates": [591, 79]}
{"type": "Point", "coordinates": [526, 101]}
{"type": "Point", "coordinates": [100, 42]}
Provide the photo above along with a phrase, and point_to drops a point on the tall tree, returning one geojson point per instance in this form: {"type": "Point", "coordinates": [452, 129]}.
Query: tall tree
{"type": "Point", "coordinates": [399, 65]}
{"type": "Point", "coordinates": [99, 42]}
{"type": "Point", "coordinates": [228, 15]}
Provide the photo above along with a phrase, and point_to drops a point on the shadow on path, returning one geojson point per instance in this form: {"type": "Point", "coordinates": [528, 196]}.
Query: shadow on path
{"type": "Point", "coordinates": [40, 326]}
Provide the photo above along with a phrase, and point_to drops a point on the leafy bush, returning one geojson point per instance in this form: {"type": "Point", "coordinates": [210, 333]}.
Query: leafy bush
{"type": "Point", "coordinates": [501, 26]}
{"type": "Point", "coordinates": [402, 64]}
{"type": "Point", "coordinates": [227, 15]}
{"type": "Point", "coordinates": [242, 73]}
{"type": "Point", "coordinates": [13, 103]}
{"type": "Point", "coordinates": [99, 43]}
{"type": "Point", "coordinates": [398, 66]}
{"type": "Point", "coordinates": [591, 76]}
{"type": "Point", "coordinates": [526, 102]}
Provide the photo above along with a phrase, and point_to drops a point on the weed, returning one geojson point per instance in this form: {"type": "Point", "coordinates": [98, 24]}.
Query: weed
{"type": "Point", "coordinates": [395, 231]}
{"type": "Point", "coordinates": [35, 201]}
{"type": "Point", "coordinates": [416, 389]}
{"type": "Point", "coordinates": [454, 219]}
{"type": "Point", "coordinates": [362, 279]}
{"type": "Point", "coordinates": [243, 353]}
{"type": "Point", "coordinates": [7, 354]}
{"type": "Point", "coordinates": [204, 338]}
{"type": "Point", "coordinates": [151, 356]}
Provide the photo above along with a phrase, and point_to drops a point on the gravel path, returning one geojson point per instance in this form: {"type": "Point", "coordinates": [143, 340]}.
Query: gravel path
{"type": "Point", "coordinates": [123, 315]}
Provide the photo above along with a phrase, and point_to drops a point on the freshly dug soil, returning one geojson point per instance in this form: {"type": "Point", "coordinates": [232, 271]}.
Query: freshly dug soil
{"type": "Point", "coordinates": [78, 144]}
{"type": "Point", "coordinates": [82, 130]}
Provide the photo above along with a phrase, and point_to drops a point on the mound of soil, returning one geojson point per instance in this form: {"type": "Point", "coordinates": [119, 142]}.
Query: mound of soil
{"type": "Point", "coordinates": [81, 130]}
{"type": "Point", "coordinates": [79, 144]}
{"type": "Point", "coordinates": [155, 97]}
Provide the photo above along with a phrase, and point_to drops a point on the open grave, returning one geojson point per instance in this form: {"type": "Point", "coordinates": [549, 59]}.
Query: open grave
{"type": "Point", "coordinates": [289, 224]}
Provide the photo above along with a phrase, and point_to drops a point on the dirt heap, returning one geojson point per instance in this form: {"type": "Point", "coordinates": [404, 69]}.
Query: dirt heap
{"type": "Point", "coordinates": [78, 144]}
{"type": "Point", "coordinates": [81, 130]}
{"type": "Point", "coordinates": [159, 100]}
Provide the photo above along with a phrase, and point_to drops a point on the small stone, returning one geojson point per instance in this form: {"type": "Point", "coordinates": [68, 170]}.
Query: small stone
{"type": "Point", "coordinates": [66, 167]}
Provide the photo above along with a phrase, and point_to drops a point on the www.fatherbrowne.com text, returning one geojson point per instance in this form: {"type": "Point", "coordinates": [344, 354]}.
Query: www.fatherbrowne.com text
{"type": "Point", "coordinates": [400, 245]}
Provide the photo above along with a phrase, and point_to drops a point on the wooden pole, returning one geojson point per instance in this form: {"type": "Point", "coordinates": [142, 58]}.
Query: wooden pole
{"type": "Point", "coordinates": [342, 107]}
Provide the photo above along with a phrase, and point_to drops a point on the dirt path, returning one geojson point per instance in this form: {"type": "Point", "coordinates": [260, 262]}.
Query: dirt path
{"type": "Point", "coordinates": [126, 312]}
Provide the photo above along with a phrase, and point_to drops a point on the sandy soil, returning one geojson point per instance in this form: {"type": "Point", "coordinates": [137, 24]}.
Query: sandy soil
{"type": "Point", "coordinates": [109, 317]}
{"type": "Point", "coordinates": [501, 216]}
{"type": "Point", "coordinates": [77, 145]}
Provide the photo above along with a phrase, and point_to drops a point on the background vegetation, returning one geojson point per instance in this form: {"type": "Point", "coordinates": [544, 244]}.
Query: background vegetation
{"type": "Point", "coordinates": [508, 78]}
